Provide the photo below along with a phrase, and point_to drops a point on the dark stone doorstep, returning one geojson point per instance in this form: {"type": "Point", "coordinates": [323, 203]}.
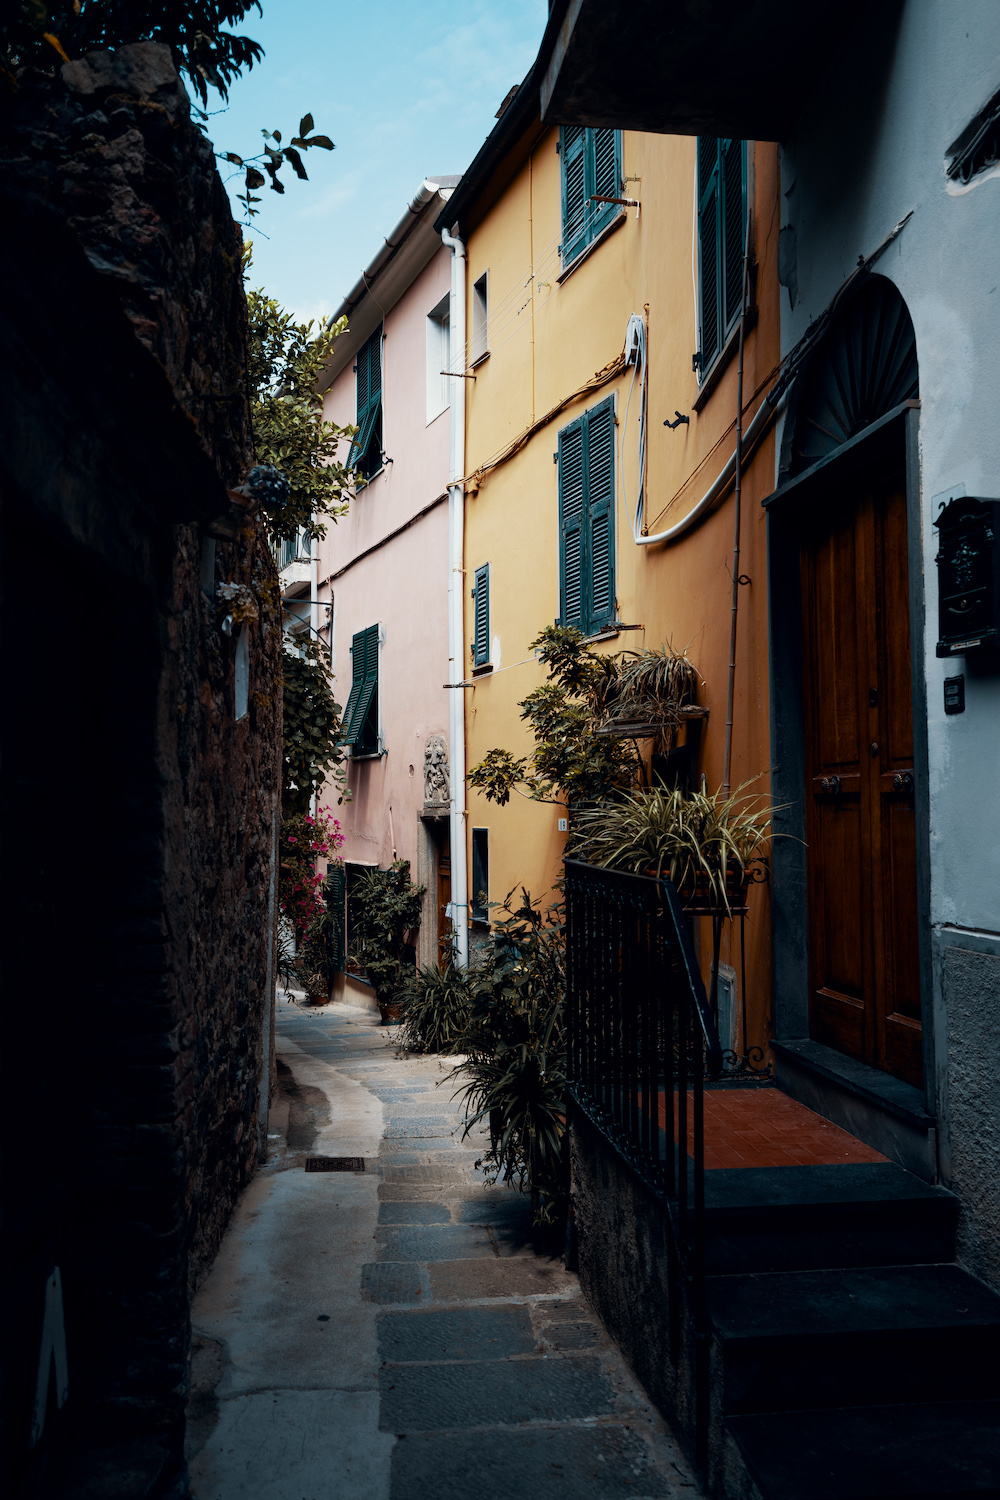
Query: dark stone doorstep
{"type": "Point", "coordinates": [917, 1452]}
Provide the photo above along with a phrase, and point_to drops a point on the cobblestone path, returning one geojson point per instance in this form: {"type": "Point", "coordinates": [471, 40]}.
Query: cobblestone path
{"type": "Point", "coordinates": [393, 1334]}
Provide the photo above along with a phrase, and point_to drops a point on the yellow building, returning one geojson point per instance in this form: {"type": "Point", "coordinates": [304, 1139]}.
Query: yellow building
{"type": "Point", "coordinates": [569, 235]}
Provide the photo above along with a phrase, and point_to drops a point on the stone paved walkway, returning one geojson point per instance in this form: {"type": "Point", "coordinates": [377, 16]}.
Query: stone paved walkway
{"type": "Point", "coordinates": [393, 1334]}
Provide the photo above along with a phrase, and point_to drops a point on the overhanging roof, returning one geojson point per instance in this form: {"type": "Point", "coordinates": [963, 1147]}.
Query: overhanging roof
{"type": "Point", "coordinates": [688, 67]}
{"type": "Point", "coordinates": [404, 253]}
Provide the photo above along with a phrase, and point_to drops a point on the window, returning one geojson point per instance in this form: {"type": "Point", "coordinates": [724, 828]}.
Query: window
{"type": "Point", "coordinates": [591, 168]}
{"type": "Point", "coordinates": [438, 359]}
{"type": "Point", "coordinates": [586, 519]}
{"type": "Point", "coordinates": [481, 318]}
{"type": "Point", "coordinates": [481, 638]}
{"type": "Point", "coordinates": [480, 875]}
{"type": "Point", "coordinates": [722, 218]}
{"type": "Point", "coordinates": [361, 714]}
{"type": "Point", "coordinates": [366, 450]}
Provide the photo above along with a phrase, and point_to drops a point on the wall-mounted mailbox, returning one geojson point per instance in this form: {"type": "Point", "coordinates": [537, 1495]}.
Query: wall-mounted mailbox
{"type": "Point", "coordinates": [968, 576]}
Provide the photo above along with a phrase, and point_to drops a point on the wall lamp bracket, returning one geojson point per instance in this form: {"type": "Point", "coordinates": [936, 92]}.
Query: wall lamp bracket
{"type": "Point", "coordinates": [681, 420]}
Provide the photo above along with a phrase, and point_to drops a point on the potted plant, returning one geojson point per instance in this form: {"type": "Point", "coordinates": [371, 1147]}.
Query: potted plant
{"type": "Point", "coordinates": [386, 911]}
{"type": "Point", "coordinates": [703, 841]}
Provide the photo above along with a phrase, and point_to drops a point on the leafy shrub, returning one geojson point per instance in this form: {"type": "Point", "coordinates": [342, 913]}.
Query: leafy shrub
{"type": "Point", "coordinates": [386, 907]}
{"type": "Point", "coordinates": [514, 1074]}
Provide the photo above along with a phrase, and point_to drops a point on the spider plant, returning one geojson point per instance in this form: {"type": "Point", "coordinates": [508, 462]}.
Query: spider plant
{"type": "Point", "coordinates": [685, 835]}
{"type": "Point", "coordinates": [435, 1005]}
{"type": "Point", "coordinates": [646, 687]}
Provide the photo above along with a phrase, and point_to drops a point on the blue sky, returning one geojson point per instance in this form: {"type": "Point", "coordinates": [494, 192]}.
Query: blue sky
{"type": "Point", "coordinates": [404, 90]}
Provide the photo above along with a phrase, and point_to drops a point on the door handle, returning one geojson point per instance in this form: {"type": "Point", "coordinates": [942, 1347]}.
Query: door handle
{"type": "Point", "coordinates": [897, 781]}
{"type": "Point", "coordinates": [830, 784]}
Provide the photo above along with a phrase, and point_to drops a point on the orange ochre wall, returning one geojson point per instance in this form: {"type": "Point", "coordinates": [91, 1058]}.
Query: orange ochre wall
{"type": "Point", "coordinates": [546, 339]}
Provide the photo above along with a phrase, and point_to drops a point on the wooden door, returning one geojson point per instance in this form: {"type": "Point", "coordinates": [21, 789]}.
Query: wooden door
{"type": "Point", "coordinates": [860, 821]}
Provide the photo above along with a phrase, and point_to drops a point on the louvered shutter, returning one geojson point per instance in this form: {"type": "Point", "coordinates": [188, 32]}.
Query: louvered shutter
{"type": "Point", "coordinates": [357, 684]}
{"type": "Point", "coordinates": [606, 148]}
{"type": "Point", "coordinates": [734, 219]}
{"type": "Point", "coordinates": [361, 714]}
{"type": "Point", "coordinates": [708, 249]}
{"type": "Point", "coordinates": [571, 517]}
{"type": "Point", "coordinates": [363, 365]}
{"type": "Point", "coordinates": [573, 155]}
{"type": "Point", "coordinates": [481, 638]}
{"type": "Point", "coordinates": [600, 515]}
{"type": "Point", "coordinates": [369, 390]}
{"type": "Point", "coordinates": [336, 892]}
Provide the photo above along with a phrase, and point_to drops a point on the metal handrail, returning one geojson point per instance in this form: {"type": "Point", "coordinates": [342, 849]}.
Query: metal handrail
{"type": "Point", "coordinates": [640, 1031]}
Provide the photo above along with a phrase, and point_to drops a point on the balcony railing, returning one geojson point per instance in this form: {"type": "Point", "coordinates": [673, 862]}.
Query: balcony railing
{"type": "Point", "coordinates": [293, 549]}
{"type": "Point", "coordinates": [641, 1040]}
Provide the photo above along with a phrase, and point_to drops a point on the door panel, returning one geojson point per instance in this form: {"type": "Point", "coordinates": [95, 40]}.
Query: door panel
{"type": "Point", "coordinates": [861, 830]}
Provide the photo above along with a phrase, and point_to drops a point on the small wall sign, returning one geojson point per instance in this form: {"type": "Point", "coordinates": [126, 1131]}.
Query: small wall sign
{"type": "Point", "coordinates": [954, 695]}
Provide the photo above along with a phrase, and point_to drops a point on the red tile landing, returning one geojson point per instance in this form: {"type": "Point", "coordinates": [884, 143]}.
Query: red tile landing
{"type": "Point", "coordinates": [765, 1128]}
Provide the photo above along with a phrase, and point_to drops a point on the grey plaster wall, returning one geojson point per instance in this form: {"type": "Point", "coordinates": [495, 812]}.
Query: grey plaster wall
{"type": "Point", "coordinates": [971, 990]}
{"type": "Point", "coordinates": [870, 149]}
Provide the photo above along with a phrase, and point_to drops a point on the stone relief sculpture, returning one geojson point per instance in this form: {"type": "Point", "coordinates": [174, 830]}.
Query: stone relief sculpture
{"type": "Point", "coordinates": [436, 777]}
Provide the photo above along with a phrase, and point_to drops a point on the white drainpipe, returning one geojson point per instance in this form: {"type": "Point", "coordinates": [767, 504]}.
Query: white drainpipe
{"type": "Point", "coordinates": [456, 604]}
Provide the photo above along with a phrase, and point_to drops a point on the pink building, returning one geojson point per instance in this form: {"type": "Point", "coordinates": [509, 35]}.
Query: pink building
{"type": "Point", "coordinates": [381, 572]}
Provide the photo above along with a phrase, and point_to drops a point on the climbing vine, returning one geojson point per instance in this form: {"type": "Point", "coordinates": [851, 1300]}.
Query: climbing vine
{"type": "Point", "coordinates": [311, 730]}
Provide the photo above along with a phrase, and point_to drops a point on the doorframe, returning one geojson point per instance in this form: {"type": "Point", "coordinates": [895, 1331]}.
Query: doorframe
{"type": "Point", "coordinates": [893, 1116]}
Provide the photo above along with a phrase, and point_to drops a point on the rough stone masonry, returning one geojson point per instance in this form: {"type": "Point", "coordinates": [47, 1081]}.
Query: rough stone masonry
{"type": "Point", "coordinates": [139, 812]}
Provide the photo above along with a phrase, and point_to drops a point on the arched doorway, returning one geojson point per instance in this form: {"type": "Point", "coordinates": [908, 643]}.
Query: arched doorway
{"type": "Point", "coordinates": [859, 785]}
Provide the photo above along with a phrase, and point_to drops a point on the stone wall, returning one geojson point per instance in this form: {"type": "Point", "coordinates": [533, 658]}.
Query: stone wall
{"type": "Point", "coordinates": [139, 814]}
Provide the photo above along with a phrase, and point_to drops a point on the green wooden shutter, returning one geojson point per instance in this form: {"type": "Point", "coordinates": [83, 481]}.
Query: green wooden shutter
{"type": "Point", "coordinates": [605, 149]}
{"type": "Point", "coordinates": [600, 425]}
{"type": "Point", "coordinates": [369, 390]}
{"type": "Point", "coordinates": [709, 258]}
{"type": "Point", "coordinates": [336, 892]}
{"type": "Point", "coordinates": [571, 519]}
{"type": "Point", "coordinates": [481, 637]}
{"type": "Point", "coordinates": [361, 715]}
{"type": "Point", "coordinates": [573, 157]}
{"type": "Point", "coordinates": [733, 178]}
{"type": "Point", "coordinates": [357, 685]}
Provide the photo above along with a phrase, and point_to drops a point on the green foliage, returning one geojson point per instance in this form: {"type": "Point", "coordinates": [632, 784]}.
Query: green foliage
{"type": "Point", "coordinates": [284, 362]}
{"type": "Point", "coordinates": [514, 1075]}
{"type": "Point", "coordinates": [386, 911]}
{"type": "Point", "coordinates": [570, 764]}
{"type": "Point", "coordinates": [272, 158]}
{"type": "Point", "coordinates": [686, 835]}
{"type": "Point", "coordinates": [311, 729]}
{"type": "Point", "coordinates": [36, 31]}
{"type": "Point", "coordinates": [435, 1008]}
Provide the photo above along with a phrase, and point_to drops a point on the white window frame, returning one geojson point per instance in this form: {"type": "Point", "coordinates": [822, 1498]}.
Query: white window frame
{"type": "Point", "coordinates": [480, 318]}
{"type": "Point", "coordinates": [438, 359]}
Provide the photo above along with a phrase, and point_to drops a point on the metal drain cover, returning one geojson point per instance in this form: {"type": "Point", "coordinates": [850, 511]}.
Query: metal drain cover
{"type": "Point", "coordinates": [335, 1164]}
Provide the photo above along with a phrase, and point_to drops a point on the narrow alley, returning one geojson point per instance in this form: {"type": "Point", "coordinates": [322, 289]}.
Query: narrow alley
{"type": "Point", "coordinates": [391, 1330]}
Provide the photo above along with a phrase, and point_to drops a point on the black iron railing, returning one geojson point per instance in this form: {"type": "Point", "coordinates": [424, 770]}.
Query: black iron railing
{"type": "Point", "coordinates": [641, 1039]}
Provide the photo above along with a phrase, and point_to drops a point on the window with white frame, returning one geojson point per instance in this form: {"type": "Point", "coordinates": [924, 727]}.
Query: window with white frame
{"type": "Point", "coordinates": [438, 358]}
{"type": "Point", "coordinates": [481, 318]}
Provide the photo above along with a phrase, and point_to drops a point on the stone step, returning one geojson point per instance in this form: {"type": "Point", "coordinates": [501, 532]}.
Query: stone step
{"type": "Point", "coordinates": [805, 1339]}
{"type": "Point", "coordinates": [800, 1218]}
{"type": "Point", "coordinates": [948, 1450]}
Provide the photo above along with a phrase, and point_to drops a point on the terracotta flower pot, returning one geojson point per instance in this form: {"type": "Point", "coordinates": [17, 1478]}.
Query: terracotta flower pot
{"type": "Point", "coordinates": [391, 1012]}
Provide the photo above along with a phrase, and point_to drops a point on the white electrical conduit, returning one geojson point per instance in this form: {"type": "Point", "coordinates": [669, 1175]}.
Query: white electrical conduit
{"type": "Point", "coordinates": [764, 414]}
{"type": "Point", "coordinates": [456, 612]}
